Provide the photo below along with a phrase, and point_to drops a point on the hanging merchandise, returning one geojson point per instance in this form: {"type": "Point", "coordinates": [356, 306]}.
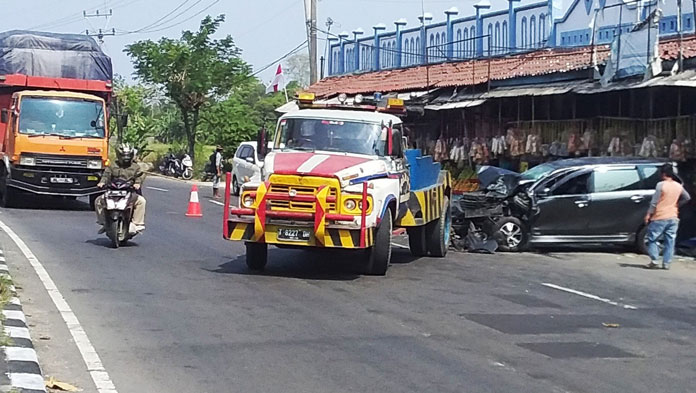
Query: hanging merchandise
{"type": "Point", "coordinates": [614, 148]}
{"type": "Point", "coordinates": [555, 149]}
{"type": "Point", "coordinates": [688, 149]}
{"type": "Point", "coordinates": [498, 146]}
{"type": "Point", "coordinates": [440, 150]}
{"type": "Point", "coordinates": [676, 151]}
{"type": "Point", "coordinates": [533, 145]}
{"type": "Point", "coordinates": [573, 144]}
{"type": "Point", "coordinates": [588, 141]}
{"type": "Point", "coordinates": [649, 147]}
{"type": "Point", "coordinates": [515, 142]}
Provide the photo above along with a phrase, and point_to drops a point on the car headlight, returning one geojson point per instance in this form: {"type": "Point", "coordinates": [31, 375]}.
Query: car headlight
{"type": "Point", "coordinates": [94, 164]}
{"type": "Point", "coordinates": [248, 201]}
{"type": "Point", "coordinates": [24, 160]}
{"type": "Point", "coordinates": [350, 204]}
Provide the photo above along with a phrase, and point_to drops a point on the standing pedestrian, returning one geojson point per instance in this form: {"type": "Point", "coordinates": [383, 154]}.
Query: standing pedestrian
{"type": "Point", "coordinates": [663, 216]}
{"type": "Point", "coordinates": [216, 160]}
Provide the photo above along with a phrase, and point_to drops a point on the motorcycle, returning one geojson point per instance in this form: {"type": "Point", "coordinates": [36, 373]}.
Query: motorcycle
{"type": "Point", "coordinates": [172, 166]}
{"type": "Point", "coordinates": [119, 198]}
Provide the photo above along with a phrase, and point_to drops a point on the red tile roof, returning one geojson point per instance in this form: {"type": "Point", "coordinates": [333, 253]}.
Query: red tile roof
{"type": "Point", "coordinates": [473, 72]}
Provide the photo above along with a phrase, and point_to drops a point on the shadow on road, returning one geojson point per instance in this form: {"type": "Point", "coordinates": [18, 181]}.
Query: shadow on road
{"type": "Point", "coordinates": [42, 202]}
{"type": "Point", "coordinates": [333, 265]}
{"type": "Point", "coordinates": [634, 265]}
{"type": "Point", "coordinates": [106, 243]}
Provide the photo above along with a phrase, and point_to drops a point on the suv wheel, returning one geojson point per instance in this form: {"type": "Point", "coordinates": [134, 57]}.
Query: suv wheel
{"type": "Point", "coordinates": [511, 234]}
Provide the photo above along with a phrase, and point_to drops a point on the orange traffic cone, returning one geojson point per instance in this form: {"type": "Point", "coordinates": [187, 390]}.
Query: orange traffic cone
{"type": "Point", "coordinates": [194, 207]}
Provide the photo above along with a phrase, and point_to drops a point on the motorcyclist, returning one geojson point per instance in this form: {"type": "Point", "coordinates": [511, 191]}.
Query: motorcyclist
{"type": "Point", "coordinates": [125, 169]}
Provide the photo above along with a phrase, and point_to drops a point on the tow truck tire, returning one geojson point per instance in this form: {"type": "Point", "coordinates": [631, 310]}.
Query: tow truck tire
{"type": "Point", "coordinates": [438, 232]}
{"type": "Point", "coordinates": [256, 256]}
{"type": "Point", "coordinates": [379, 255]}
{"type": "Point", "coordinates": [417, 241]}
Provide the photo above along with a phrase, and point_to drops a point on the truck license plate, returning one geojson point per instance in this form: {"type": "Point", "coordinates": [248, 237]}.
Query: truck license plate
{"type": "Point", "coordinates": [62, 180]}
{"type": "Point", "coordinates": [296, 235]}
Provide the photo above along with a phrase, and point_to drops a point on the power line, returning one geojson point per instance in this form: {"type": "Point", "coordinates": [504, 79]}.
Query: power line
{"type": "Point", "coordinates": [285, 56]}
{"type": "Point", "coordinates": [150, 30]}
{"type": "Point", "coordinates": [165, 16]}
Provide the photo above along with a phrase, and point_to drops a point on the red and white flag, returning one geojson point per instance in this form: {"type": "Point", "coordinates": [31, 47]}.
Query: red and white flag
{"type": "Point", "coordinates": [278, 82]}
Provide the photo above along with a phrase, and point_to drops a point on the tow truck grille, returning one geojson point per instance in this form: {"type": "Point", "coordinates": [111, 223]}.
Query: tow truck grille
{"type": "Point", "coordinates": [300, 190]}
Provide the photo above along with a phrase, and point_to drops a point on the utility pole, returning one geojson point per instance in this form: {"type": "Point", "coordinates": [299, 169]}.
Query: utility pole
{"type": "Point", "coordinates": [100, 33]}
{"type": "Point", "coordinates": [311, 14]}
{"type": "Point", "coordinates": [681, 35]}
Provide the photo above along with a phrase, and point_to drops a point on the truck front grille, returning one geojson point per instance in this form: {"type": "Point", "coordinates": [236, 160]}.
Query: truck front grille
{"type": "Point", "coordinates": [302, 186]}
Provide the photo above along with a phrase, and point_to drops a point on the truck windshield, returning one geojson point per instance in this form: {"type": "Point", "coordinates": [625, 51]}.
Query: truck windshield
{"type": "Point", "coordinates": [332, 135]}
{"type": "Point", "coordinates": [61, 117]}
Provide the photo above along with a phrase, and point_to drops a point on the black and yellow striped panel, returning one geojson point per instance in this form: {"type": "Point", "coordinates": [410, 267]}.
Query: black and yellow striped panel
{"type": "Point", "coordinates": [240, 231]}
{"type": "Point", "coordinates": [426, 205]}
{"type": "Point", "coordinates": [346, 238]}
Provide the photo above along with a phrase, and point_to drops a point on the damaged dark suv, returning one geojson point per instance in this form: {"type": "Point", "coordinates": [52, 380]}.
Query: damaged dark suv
{"type": "Point", "coordinates": [588, 200]}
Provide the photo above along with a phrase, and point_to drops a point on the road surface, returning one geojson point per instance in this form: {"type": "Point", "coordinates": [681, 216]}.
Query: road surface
{"type": "Point", "coordinates": [177, 311]}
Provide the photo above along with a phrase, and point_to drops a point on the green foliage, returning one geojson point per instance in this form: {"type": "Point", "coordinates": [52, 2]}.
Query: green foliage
{"type": "Point", "coordinates": [193, 71]}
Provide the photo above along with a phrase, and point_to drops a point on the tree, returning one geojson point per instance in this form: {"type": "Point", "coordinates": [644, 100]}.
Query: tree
{"type": "Point", "coordinates": [298, 68]}
{"type": "Point", "coordinates": [240, 116]}
{"type": "Point", "coordinates": [193, 70]}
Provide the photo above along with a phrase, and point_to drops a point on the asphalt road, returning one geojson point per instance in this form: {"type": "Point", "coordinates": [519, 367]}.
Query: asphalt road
{"type": "Point", "coordinates": [177, 311]}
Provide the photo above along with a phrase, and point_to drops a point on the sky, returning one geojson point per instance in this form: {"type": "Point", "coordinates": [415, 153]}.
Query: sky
{"type": "Point", "coordinates": [265, 30]}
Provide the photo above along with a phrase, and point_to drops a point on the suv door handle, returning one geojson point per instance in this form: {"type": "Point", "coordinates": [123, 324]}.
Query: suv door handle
{"type": "Point", "coordinates": [582, 204]}
{"type": "Point", "coordinates": [637, 198]}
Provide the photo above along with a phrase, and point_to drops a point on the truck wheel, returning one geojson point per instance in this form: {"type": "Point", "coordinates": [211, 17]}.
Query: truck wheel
{"type": "Point", "coordinates": [438, 232]}
{"type": "Point", "coordinates": [256, 256]}
{"type": "Point", "coordinates": [235, 186]}
{"type": "Point", "coordinates": [511, 234]}
{"type": "Point", "coordinates": [417, 241]}
{"type": "Point", "coordinates": [379, 255]}
{"type": "Point", "coordinates": [8, 197]}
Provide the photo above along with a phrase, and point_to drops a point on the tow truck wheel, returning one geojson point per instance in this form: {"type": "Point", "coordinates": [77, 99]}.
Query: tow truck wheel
{"type": "Point", "coordinates": [256, 256]}
{"type": "Point", "coordinates": [379, 255]}
{"type": "Point", "coordinates": [417, 241]}
{"type": "Point", "coordinates": [438, 232]}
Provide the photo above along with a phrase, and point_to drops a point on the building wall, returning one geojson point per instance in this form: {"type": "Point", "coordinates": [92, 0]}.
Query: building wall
{"type": "Point", "coordinates": [570, 28]}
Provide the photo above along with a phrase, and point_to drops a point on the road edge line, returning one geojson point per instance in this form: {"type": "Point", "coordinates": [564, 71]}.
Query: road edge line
{"type": "Point", "coordinates": [589, 296]}
{"type": "Point", "coordinates": [100, 377]}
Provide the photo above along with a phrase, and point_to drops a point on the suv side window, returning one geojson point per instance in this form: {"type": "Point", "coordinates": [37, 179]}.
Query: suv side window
{"type": "Point", "coordinates": [246, 152]}
{"type": "Point", "coordinates": [575, 186]}
{"type": "Point", "coordinates": [612, 180]}
{"type": "Point", "coordinates": [651, 176]}
{"type": "Point", "coordinates": [240, 152]}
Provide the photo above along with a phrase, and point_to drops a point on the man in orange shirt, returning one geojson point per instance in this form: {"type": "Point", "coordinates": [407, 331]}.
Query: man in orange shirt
{"type": "Point", "coordinates": [663, 216]}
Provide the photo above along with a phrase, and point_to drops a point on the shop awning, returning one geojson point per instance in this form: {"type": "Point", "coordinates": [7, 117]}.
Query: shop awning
{"type": "Point", "coordinates": [455, 105]}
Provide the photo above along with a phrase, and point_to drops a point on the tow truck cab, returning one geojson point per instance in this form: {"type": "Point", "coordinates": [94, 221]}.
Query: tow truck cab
{"type": "Point", "coordinates": [341, 177]}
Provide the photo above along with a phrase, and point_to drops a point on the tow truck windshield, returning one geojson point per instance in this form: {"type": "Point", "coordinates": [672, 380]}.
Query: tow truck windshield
{"type": "Point", "coordinates": [332, 135]}
{"type": "Point", "coordinates": [65, 118]}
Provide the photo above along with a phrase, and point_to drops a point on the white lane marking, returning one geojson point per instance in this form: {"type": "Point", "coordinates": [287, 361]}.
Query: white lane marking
{"type": "Point", "coordinates": [312, 163]}
{"type": "Point", "coordinates": [590, 296]}
{"type": "Point", "coordinates": [28, 381]}
{"type": "Point", "coordinates": [84, 345]}
{"type": "Point", "coordinates": [21, 354]}
{"type": "Point", "coordinates": [400, 246]}
{"type": "Point", "coordinates": [157, 189]}
{"type": "Point", "coordinates": [216, 202]}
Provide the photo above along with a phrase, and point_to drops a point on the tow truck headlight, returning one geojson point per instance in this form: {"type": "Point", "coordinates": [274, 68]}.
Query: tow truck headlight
{"type": "Point", "coordinates": [350, 204]}
{"type": "Point", "coordinates": [94, 164]}
{"type": "Point", "coordinates": [248, 201]}
{"type": "Point", "coordinates": [29, 161]}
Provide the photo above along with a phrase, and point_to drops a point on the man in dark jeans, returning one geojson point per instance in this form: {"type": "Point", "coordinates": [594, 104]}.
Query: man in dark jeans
{"type": "Point", "coordinates": [663, 216]}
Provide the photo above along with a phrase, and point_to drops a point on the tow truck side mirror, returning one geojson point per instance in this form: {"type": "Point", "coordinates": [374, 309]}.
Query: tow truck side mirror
{"type": "Point", "coordinates": [397, 146]}
{"type": "Point", "coordinates": [4, 116]}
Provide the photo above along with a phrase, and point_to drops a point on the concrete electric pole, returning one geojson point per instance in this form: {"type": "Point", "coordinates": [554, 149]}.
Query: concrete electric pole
{"type": "Point", "coordinates": [311, 16]}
